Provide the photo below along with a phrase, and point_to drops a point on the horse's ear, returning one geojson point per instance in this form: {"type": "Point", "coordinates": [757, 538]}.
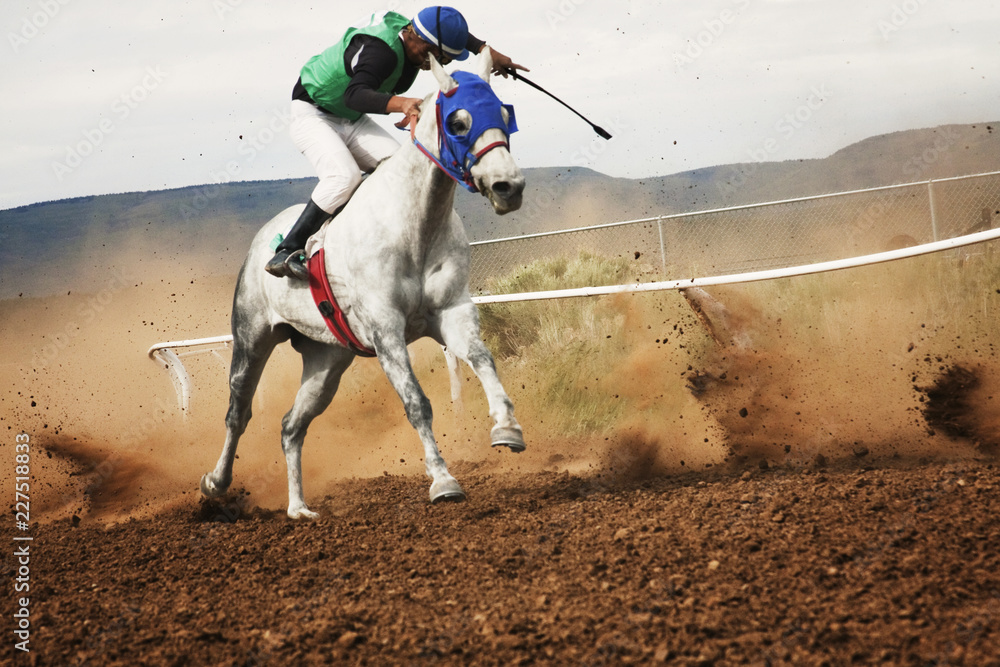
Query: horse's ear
{"type": "Point", "coordinates": [485, 64]}
{"type": "Point", "coordinates": [445, 82]}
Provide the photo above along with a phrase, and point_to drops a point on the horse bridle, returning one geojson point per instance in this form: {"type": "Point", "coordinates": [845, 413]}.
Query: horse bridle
{"type": "Point", "coordinates": [454, 158]}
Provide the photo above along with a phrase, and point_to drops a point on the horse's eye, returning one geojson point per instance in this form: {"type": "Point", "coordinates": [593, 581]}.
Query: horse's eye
{"type": "Point", "coordinates": [459, 123]}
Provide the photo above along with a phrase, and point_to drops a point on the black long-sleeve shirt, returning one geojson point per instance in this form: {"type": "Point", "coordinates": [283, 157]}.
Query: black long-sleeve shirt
{"type": "Point", "coordinates": [369, 62]}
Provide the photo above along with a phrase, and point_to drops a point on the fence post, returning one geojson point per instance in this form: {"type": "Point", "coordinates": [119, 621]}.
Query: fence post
{"type": "Point", "coordinates": [663, 250]}
{"type": "Point", "coordinates": [930, 197]}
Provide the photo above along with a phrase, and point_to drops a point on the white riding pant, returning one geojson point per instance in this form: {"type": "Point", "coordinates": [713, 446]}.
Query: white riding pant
{"type": "Point", "coordinates": [339, 150]}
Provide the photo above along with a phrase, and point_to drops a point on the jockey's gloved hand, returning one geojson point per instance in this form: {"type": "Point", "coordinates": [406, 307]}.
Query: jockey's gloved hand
{"type": "Point", "coordinates": [408, 106]}
{"type": "Point", "coordinates": [503, 64]}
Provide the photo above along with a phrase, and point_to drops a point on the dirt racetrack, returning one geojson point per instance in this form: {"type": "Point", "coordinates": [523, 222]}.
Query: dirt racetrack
{"type": "Point", "coordinates": [828, 497]}
{"type": "Point", "coordinates": [855, 565]}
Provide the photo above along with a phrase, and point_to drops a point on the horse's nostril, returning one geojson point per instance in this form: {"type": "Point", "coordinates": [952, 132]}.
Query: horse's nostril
{"type": "Point", "coordinates": [503, 188]}
{"type": "Point", "coordinates": [508, 189]}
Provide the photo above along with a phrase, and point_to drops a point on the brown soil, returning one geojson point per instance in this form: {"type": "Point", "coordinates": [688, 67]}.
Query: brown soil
{"type": "Point", "coordinates": [854, 521]}
{"type": "Point", "coordinates": [952, 406]}
{"type": "Point", "coordinates": [856, 565]}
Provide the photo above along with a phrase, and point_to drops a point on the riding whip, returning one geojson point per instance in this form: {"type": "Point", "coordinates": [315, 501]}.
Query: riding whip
{"type": "Point", "coordinates": [518, 77]}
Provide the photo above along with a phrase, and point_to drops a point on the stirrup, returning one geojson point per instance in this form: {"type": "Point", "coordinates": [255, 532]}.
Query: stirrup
{"type": "Point", "coordinates": [295, 265]}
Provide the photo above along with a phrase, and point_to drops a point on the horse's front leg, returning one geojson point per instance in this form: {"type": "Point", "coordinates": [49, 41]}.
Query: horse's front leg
{"type": "Point", "coordinates": [390, 346]}
{"type": "Point", "coordinates": [460, 334]}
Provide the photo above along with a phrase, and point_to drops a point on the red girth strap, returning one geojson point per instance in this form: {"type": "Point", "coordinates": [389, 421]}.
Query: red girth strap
{"type": "Point", "coordinates": [319, 286]}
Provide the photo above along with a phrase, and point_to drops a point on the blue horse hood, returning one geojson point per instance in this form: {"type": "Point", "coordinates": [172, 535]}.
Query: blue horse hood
{"type": "Point", "coordinates": [477, 98]}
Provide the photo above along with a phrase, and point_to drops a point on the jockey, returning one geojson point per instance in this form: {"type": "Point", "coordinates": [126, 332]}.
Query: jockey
{"type": "Point", "coordinates": [365, 72]}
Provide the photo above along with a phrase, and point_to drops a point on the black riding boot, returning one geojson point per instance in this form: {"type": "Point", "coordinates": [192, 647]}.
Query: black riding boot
{"type": "Point", "coordinates": [289, 258]}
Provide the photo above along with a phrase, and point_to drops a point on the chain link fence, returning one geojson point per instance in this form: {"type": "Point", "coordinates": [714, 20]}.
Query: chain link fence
{"type": "Point", "coordinates": [764, 236]}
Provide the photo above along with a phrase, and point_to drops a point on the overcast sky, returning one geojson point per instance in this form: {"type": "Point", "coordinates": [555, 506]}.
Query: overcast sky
{"type": "Point", "coordinates": [105, 96]}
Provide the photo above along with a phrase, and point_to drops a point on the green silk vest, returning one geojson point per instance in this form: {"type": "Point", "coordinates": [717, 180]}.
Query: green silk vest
{"type": "Point", "coordinates": [325, 78]}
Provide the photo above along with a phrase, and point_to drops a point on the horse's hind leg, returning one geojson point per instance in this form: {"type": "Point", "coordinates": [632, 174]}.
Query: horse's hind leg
{"type": "Point", "coordinates": [252, 347]}
{"type": "Point", "coordinates": [322, 368]}
{"type": "Point", "coordinates": [460, 334]}
{"type": "Point", "coordinates": [392, 354]}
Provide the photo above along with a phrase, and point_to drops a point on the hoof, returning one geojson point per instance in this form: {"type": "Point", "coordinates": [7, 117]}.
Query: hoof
{"type": "Point", "coordinates": [505, 436]}
{"type": "Point", "coordinates": [210, 489]}
{"type": "Point", "coordinates": [302, 513]}
{"type": "Point", "coordinates": [446, 490]}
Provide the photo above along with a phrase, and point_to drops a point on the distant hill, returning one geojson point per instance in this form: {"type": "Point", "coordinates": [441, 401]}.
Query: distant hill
{"type": "Point", "coordinates": [76, 244]}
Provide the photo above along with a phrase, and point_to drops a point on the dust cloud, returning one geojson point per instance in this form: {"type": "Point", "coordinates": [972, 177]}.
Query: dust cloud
{"type": "Point", "coordinates": [844, 365]}
{"type": "Point", "coordinates": [827, 367]}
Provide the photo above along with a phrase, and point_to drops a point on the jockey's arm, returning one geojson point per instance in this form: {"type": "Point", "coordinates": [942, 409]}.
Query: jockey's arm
{"type": "Point", "coordinates": [372, 65]}
{"type": "Point", "coordinates": [501, 63]}
{"type": "Point", "coordinates": [409, 106]}
{"type": "Point", "coordinates": [375, 63]}
{"type": "Point", "coordinates": [372, 62]}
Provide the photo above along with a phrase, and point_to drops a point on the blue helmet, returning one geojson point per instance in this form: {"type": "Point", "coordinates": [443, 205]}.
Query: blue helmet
{"type": "Point", "coordinates": [445, 28]}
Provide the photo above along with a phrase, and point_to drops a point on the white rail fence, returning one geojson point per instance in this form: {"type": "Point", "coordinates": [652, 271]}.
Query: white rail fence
{"type": "Point", "coordinates": [752, 237]}
{"type": "Point", "coordinates": [166, 354]}
{"type": "Point", "coordinates": [738, 244]}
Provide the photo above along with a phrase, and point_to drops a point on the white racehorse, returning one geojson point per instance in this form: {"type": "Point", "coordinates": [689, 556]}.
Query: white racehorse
{"type": "Point", "coordinates": [398, 262]}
